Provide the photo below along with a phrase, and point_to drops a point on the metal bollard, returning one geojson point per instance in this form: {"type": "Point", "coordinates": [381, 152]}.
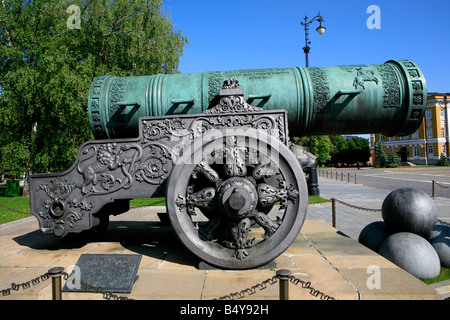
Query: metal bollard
{"type": "Point", "coordinates": [432, 188]}
{"type": "Point", "coordinates": [56, 273]}
{"type": "Point", "coordinates": [333, 212]}
{"type": "Point", "coordinates": [284, 276]}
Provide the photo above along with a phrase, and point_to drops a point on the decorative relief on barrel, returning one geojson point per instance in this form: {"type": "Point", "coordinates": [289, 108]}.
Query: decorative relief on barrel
{"type": "Point", "coordinates": [418, 88]}
{"type": "Point", "coordinates": [362, 76]}
{"type": "Point", "coordinates": [94, 105]}
{"type": "Point", "coordinates": [117, 93]}
{"type": "Point", "coordinates": [391, 97]}
{"type": "Point", "coordinates": [321, 88]}
{"type": "Point", "coordinates": [215, 80]}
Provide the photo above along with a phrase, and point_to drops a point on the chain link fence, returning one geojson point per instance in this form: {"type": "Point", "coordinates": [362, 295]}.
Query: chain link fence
{"type": "Point", "coordinates": [282, 276]}
{"type": "Point", "coordinates": [334, 175]}
{"type": "Point", "coordinates": [438, 184]}
{"type": "Point", "coordinates": [24, 285]}
{"type": "Point", "coordinates": [333, 211]}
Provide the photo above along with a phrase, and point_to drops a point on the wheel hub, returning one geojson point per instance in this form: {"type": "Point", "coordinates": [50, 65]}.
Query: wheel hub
{"type": "Point", "coordinates": [237, 197]}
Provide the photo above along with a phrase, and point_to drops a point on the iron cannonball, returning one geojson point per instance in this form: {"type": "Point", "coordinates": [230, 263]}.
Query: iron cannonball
{"type": "Point", "coordinates": [440, 240]}
{"type": "Point", "coordinates": [409, 210]}
{"type": "Point", "coordinates": [412, 253]}
{"type": "Point", "coordinates": [373, 235]}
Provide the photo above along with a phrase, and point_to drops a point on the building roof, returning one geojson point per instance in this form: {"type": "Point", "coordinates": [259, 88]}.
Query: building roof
{"type": "Point", "coordinates": [433, 94]}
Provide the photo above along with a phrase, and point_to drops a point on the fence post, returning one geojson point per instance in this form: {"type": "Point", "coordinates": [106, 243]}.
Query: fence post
{"type": "Point", "coordinates": [56, 273]}
{"type": "Point", "coordinates": [284, 275]}
{"type": "Point", "coordinates": [355, 178]}
{"type": "Point", "coordinates": [333, 212]}
{"type": "Point", "coordinates": [432, 188]}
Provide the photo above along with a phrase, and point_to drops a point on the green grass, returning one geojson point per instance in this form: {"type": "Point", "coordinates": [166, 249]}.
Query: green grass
{"type": "Point", "coordinates": [22, 204]}
{"type": "Point", "coordinates": [9, 207]}
{"type": "Point", "coordinates": [148, 202]}
{"type": "Point", "coordinates": [444, 275]}
{"type": "Point", "coordinates": [162, 201]}
{"type": "Point", "coordinates": [317, 199]}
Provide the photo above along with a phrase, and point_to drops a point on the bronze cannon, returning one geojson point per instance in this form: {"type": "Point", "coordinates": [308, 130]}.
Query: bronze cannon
{"type": "Point", "coordinates": [216, 145]}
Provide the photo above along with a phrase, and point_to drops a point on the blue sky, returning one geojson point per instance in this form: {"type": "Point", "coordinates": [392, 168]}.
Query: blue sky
{"type": "Point", "coordinates": [249, 34]}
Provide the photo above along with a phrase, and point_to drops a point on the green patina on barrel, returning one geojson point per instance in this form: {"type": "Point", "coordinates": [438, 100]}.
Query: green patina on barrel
{"type": "Point", "coordinates": [359, 99]}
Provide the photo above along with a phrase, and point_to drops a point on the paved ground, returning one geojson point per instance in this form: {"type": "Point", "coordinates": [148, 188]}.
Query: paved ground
{"type": "Point", "coordinates": [333, 262]}
{"type": "Point", "coordinates": [352, 221]}
{"type": "Point", "coordinates": [390, 179]}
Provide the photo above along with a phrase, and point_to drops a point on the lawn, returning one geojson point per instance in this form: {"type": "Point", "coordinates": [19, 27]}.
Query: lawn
{"type": "Point", "coordinates": [14, 208]}
{"type": "Point", "coordinates": [444, 275]}
{"type": "Point", "coordinates": [148, 202]}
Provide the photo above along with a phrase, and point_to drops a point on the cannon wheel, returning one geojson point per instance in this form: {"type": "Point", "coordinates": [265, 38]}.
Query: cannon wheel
{"type": "Point", "coordinates": [238, 200]}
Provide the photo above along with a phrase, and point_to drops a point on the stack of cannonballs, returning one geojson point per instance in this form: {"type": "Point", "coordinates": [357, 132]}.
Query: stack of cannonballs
{"type": "Point", "coordinates": [409, 236]}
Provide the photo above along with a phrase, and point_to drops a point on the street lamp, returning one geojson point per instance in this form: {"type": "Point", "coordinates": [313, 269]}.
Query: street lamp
{"type": "Point", "coordinates": [320, 29]}
{"type": "Point", "coordinates": [313, 186]}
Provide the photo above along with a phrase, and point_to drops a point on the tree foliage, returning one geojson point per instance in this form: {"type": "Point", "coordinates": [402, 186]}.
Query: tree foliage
{"type": "Point", "coordinates": [392, 159]}
{"type": "Point", "coordinates": [335, 150]}
{"type": "Point", "coordinates": [46, 68]}
{"type": "Point", "coordinates": [443, 160]}
{"type": "Point", "coordinates": [381, 156]}
{"type": "Point", "coordinates": [350, 152]}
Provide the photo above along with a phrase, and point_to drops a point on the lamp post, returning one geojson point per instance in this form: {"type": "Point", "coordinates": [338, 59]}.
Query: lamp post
{"type": "Point", "coordinates": [320, 29]}
{"type": "Point", "coordinates": [313, 186]}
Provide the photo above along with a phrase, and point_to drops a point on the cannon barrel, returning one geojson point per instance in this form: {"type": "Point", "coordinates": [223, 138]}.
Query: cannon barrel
{"type": "Point", "coordinates": [387, 98]}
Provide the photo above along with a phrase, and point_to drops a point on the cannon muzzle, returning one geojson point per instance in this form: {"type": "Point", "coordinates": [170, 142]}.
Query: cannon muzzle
{"type": "Point", "coordinates": [388, 98]}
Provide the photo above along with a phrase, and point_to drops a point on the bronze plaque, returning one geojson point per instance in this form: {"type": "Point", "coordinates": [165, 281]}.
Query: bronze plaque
{"type": "Point", "coordinates": [104, 273]}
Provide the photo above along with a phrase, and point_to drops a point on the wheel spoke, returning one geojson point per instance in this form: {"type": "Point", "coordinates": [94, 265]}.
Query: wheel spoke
{"type": "Point", "coordinates": [204, 168]}
{"type": "Point", "coordinates": [234, 159]}
{"type": "Point", "coordinates": [267, 224]}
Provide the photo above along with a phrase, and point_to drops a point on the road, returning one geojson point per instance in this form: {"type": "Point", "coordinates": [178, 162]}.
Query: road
{"type": "Point", "coordinates": [390, 179]}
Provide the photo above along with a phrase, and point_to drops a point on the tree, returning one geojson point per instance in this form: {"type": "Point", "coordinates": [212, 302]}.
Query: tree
{"type": "Point", "coordinates": [355, 150]}
{"type": "Point", "coordinates": [324, 148]}
{"type": "Point", "coordinates": [443, 160]}
{"type": "Point", "coordinates": [47, 63]}
{"type": "Point", "coordinates": [392, 159]}
{"type": "Point", "coordinates": [381, 156]}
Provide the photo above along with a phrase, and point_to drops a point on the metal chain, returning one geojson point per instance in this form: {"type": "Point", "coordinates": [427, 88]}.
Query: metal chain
{"type": "Point", "coordinates": [232, 296]}
{"type": "Point", "coordinates": [263, 285]}
{"type": "Point", "coordinates": [249, 291]}
{"type": "Point", "coordinates": [94, 289]}
{"type": "Point", "coordinates": [356, 207]}
{"type": "Point", "coordinates": [312, 291]}
{"type": "Point", "coordinates": [15, 210]}
{"type": "Point", "coordinates": [25, 285]}
{"type": "Point", "coordinates": [344, 174]}
{"type": "Point", "coordinates": [106, 295]}
{"type": "Point", "coordinates": [378, 210]}
{"type": "Point", "coordinates": [440, 185]}
{"type": "Point", "coordinates": [37, 280]}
